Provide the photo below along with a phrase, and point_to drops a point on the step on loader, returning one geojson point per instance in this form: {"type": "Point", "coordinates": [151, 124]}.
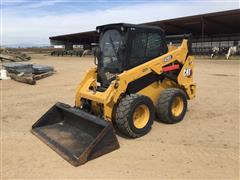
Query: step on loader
{"type": "Point", "coordinates": [138, 78]}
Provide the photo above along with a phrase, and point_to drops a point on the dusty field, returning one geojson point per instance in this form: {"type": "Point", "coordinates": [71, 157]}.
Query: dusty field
{"type": "Point", "coordinates": [205, 145]}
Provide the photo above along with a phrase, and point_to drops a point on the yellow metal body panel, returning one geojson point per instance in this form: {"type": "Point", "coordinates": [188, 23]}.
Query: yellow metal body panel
{"type": "Point", "coordinates": [119, 86]}
{"type": "Point", "coordinates": [154, 90]}
{"type": "Point", "coordinates": [185, 78]}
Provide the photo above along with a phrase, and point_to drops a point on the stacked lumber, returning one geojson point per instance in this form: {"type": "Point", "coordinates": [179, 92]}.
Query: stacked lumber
{"type": "Point", "coordinates": [28, 73]}
{"type": "Point", "coordinates": [10, 56]}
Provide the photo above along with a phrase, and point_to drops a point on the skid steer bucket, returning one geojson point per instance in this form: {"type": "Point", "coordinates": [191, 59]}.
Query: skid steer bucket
{"type": "Point", "coordinates": [74, 134]}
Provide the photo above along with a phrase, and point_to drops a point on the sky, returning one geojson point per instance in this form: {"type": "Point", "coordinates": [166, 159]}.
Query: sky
{"type": "Point", "coordinates": [32, 22]}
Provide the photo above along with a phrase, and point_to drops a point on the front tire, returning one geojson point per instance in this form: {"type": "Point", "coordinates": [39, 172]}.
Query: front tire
{"type": "Point", "coordinates": [171, 106]}
{"type": "Point", "coordinates": [134, 115]}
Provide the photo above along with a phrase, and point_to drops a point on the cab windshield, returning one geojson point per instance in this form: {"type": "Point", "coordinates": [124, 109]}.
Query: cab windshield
{"type": "Point", "coordinates": [109, 47]}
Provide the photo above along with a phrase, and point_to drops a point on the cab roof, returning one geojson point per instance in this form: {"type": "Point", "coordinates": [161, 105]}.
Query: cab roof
{"type": "Point", "coordinates": [125, 25]}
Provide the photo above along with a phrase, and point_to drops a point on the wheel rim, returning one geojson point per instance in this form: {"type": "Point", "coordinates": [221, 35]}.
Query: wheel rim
{"type": "Point", "coordinates": [177, 106]}
{"type": "Point", "coordinates": [141, 116]}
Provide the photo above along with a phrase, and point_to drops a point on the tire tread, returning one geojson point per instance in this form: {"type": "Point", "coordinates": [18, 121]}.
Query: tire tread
{"type": "Point", "coordinates": [122, 113]}
{"type": "Point", "coordinates": [163, 104]}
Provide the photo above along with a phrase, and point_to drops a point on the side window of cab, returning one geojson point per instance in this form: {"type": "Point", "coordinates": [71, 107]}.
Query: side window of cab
{"type": "Point", "coordinates": [138, 47]}
{"type": "Point", "coordinates": [153, 48]}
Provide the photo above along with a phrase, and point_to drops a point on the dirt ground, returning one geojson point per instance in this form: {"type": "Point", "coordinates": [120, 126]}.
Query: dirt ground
{"type": "Point", "coordinates": [205, 145]}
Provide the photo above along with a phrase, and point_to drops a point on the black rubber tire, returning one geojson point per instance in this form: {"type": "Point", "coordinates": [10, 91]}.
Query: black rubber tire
{"type": "Point", "coordinates": [124, 115]}
{"type": "Point", "coordinates": [164, 105]}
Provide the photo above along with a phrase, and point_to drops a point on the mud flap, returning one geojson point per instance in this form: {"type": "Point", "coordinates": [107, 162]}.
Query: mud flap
{"type": "Point", "coordinates": [75, 135]}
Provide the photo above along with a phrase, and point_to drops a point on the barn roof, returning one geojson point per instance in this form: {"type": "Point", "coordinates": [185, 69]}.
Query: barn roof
{"type": "Point", "coordinates": [211, 24]}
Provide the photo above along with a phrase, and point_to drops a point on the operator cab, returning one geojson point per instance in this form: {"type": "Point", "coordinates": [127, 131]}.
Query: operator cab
{"type": "Point", "coordinates": [125, 46]}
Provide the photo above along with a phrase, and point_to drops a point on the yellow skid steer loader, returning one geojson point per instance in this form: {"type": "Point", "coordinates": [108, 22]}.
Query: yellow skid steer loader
{"type": "Point", "coordinates": [137, 78]}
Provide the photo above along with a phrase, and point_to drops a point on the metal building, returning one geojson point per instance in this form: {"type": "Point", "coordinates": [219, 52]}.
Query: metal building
{"type": "Point", "coordinates": [220, 29]}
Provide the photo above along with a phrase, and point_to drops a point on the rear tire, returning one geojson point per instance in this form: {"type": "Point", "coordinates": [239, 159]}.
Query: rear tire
{"type": "Point", "coordinates": [172, 106]}
{"type": "Point", "coordinates": [134, 115]}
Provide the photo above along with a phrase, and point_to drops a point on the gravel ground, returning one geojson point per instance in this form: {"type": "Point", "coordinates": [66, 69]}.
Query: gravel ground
{"type": "Point", "coordinates": [205, 145]}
